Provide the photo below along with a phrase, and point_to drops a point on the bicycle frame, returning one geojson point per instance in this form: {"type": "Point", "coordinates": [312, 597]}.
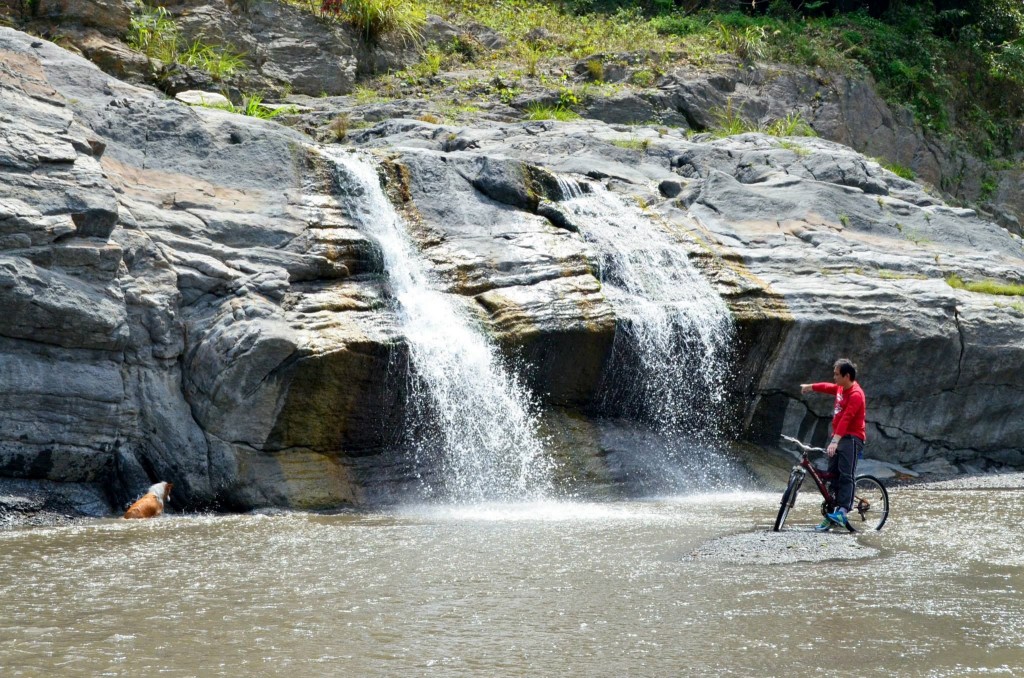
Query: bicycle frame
{"type": "Point", "coordinates": [820, 479]}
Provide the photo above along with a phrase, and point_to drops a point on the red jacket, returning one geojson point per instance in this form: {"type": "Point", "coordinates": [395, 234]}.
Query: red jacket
{"type": "Point", "coordinates": [851, 406]}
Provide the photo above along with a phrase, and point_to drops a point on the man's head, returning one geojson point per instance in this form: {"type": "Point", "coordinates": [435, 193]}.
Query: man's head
{"type": "Point", "coordinates": [844, 372]}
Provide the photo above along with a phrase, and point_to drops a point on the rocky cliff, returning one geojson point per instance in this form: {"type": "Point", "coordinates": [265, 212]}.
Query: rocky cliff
{"type": "Point", "coordinates": [183, 295]}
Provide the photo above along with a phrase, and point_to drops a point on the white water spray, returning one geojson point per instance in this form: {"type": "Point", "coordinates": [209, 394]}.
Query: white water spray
{"type": "Point", "coordinates": [473, 421]}
{"type": "Point", "coordinates": [673, 342]}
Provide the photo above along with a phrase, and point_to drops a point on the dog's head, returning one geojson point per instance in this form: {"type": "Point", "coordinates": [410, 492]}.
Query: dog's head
{"type": "Point", "coordinates": [162, 490]}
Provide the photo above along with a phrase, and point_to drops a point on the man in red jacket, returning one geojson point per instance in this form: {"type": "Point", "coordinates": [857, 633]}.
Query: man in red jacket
{"type": "Point", "coordinates": [848, 436]}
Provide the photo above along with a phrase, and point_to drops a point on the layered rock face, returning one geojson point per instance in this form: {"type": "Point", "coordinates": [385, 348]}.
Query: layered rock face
{"type": "Point", "coordinates": [184, 297]}
{"type": "Point", "coordinates": [170, 272]}
{"type": "Point", "coordinates": [821, 253]}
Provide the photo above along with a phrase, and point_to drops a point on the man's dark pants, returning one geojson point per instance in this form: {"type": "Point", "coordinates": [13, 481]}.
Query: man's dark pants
{"type": "Point", "coordinates": [844, 462]}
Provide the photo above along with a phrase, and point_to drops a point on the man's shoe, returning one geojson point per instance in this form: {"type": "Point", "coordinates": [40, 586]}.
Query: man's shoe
{"type": "Point", "coordinates": [823, 526]}
{"type": "Point", "coordinates": [837, 517]}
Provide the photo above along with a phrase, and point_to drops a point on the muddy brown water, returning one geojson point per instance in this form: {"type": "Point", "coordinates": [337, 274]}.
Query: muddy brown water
{"type": "Point", "coordinates": [610, 589]}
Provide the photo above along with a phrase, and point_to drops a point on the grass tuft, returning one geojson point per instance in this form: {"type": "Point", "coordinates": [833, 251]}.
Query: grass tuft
{"type": "Point", "coordinates": [543, 112]}
{"type": "Point", "coordinates": [154, 33]}
{"type": "Point", "coordinates": [340, 126]}
{"type": "Point", "coordinates": [377, 18]}
{"type": "Point", "coordinates": [899, 170]}
{"type": "Point", "coordinates": [729, 122]}
{"type": "Point", "coordinates": [986, 286]}
{"type": "Point", "coordinates": [217, 61]}
{"type": "Point", "coordinates": [793, 125]}
{"type": "Point", "coordinates": [632, 144]}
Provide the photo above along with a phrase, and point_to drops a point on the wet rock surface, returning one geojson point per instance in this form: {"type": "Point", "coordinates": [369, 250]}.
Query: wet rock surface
{"type": "Point", "coordinates": [34, 503]}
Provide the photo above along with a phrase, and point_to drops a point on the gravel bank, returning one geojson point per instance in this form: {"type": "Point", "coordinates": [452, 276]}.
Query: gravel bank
{"type": "Point", "coordinates": [780, 548]}
{"type": "Point", "coordinates": [987, 481]}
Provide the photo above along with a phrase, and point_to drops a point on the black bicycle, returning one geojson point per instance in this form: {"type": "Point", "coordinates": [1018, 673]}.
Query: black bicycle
{"type": "Point", "coordinates": [870, 498]}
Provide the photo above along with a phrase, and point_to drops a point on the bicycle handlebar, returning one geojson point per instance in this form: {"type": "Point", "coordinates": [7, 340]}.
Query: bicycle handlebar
{"type": "Point", "coordinates": [801, 446]}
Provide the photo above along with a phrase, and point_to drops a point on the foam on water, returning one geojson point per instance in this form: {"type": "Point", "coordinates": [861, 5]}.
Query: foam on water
{"type": "Point", "coordinates": [542, 511]}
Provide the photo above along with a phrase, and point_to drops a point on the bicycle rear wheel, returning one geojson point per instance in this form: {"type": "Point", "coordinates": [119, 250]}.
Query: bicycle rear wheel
{"type": "Point", "coordinates": [788, 500]}
{"type": "Point", "coordinates": [870, 505]}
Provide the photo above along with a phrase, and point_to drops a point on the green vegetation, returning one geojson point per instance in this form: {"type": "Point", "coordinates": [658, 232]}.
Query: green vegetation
{"type": "Point", "coordinates": [632, 144]}
{"type": "Point", "coordinates": [154, 33]}
{"type": "Point", "coordinates": [796, 148]}
{"type": "Point", "coordinates": [430, 64]}
{"type": "Point", "coordinates": [367, 95]}
{"type": "Point", "coordinates": [643, 78]}
{"type": "Point", "coordinates": [729, 122]}
{"type": "Point", "coordinates": [339, 126]}
{"type": "Point", "coordinates": [916, 237]}
{"type": "Point", "coordinates": [542, 112]}
{"type": "Point", "coordinates": [989, 186]}
{"type": "Point", "coordinates": [574, 34]}
{"type": "Point", "coordinates": [253, 106]}
{"type": "Point", "coordinates": [886, 274]}
{"type": "Point", "coordinates": [950, 61]}
{"type": "Point", "coordinates": [19, 11]}
{"type": "Point", "coordinates": [507, 93]}
{"type": "Point", "coordinates": [897, 169]}
{"type": "Point", "coordinates": [454, 111]}
{"type": "Point", "coordinates": [958, 65]}
{"type": "Point", "coordinates": [1016, 306]}
{"type": "Point", "coordinates": [595, 69]}
{"type": "Point", "coordinates": [986, 286]}
{"type": "Point", "coordinates": [376, 18]}
{"type": "Point", "coordinates": [793, 125]}
{"type": "Point", "coordinates": [218, 62]}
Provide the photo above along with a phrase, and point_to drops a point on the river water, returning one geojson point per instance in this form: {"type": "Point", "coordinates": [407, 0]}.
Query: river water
{"type": "Point", "coordinates": [516, 590]}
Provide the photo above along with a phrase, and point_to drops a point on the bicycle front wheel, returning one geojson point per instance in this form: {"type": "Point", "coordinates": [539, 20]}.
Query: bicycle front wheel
{"type": "Point", "coordinates": [788, 500]}
{"type": "Point", "coordinates": [870, 505]}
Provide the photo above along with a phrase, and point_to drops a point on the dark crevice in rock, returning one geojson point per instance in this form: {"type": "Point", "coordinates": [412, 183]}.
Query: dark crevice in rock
{"type": "Point", "coordinates": [556, 216]}
{"type": "Point", "coordinates": [281, 367]}
{"type": "Point", "coordinates": [710, 206]}
{"type": "Point", "coordinates": [963, 347]}
{"type": "Point", "coordinates": [691, 120]}
{"type": "Point", "coordinates": [886, 430]}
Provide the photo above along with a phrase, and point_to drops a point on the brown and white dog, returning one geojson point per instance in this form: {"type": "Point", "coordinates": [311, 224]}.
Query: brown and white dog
{"type": "Point", "coordinates": [152, 503]}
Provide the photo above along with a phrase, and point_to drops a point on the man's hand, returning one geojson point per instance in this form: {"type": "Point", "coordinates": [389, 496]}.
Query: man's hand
{"type": "Point", "coordinates": [831, 449]}
{"type": "Point", "coordinates": [805, 388]}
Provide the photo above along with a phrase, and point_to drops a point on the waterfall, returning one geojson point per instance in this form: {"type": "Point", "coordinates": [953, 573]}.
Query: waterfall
{"type": "Point", "coordinates": [671, 355]}
{"type": "Point", "coordinates": [470, 420]}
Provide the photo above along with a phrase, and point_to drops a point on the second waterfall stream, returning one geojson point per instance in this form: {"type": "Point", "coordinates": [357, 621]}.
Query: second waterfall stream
{"type": "Point", "coordinates": [671, 358]}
